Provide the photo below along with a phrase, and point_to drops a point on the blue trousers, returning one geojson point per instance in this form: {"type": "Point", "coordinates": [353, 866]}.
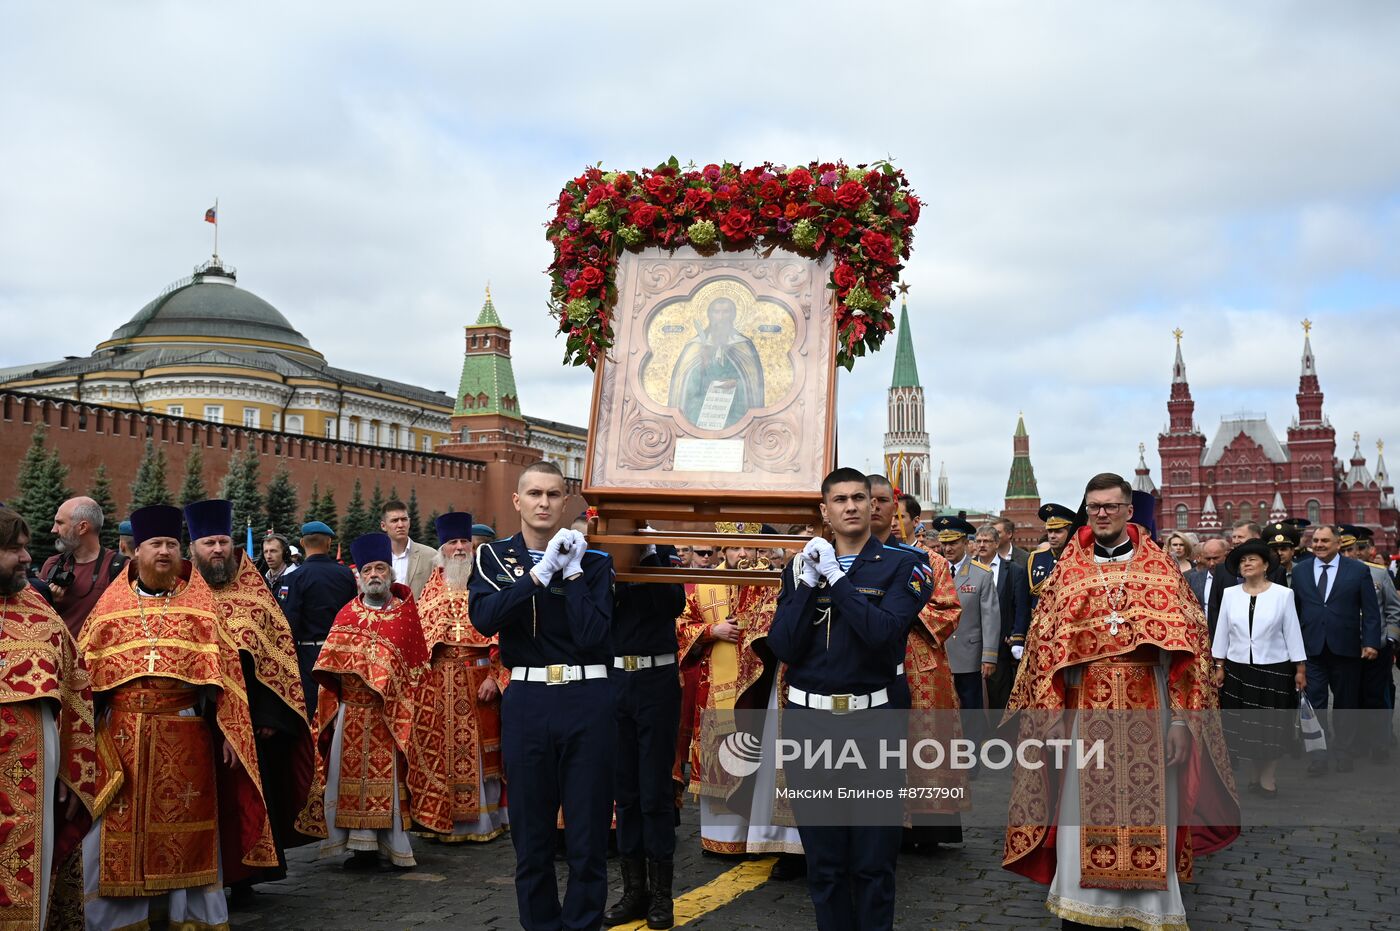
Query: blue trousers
{"type": "Point", "coordinates": [1342, 675]}
{"type": "Point", "coordinates": [648, 709]}
{"type": "Point", "coordinates": [557, 746]}
{"type": "Point", "coordinates": [306, 661]}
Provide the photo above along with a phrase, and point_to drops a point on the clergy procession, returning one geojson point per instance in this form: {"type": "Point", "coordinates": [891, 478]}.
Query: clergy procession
{"type": "Point", "coordinates": [202, 723]}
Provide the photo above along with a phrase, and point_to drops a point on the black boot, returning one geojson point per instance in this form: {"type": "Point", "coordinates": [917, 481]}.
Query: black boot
{"type": "Point", "coordinates": [633, 904]}
{"type": "Point", "coordinates": [662, 911]}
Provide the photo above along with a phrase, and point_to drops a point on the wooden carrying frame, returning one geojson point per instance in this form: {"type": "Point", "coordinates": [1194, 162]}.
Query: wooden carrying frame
{"type": "Point", "coordinates": [716, 403]}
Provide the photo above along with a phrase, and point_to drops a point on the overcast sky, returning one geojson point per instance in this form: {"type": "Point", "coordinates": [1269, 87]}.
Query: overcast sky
{"type": "Point", "coordinates": [1095, 174]}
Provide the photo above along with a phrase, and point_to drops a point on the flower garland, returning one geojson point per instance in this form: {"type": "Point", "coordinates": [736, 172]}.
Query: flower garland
{"type": "Point", "coordinates": [863, 216]}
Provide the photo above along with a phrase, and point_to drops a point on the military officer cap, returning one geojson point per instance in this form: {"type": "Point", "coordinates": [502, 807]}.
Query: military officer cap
{"type": "Point", "coordinates": [1297, 523]}
{"type": "Point", "coordinates": [952, 528]}
{"type": "Point", "coordinates": [1056, 516]}
{"type": "Point", "coordinates": [1282, 533]}
{"type": "Point", "coordinates": [1351, 533]}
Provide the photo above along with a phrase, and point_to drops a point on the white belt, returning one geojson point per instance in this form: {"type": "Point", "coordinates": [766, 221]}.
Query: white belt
{"type": "Point", "coordinates": [557, 674]}
{"type": "Point", "coordinates": [311, 643]}
{"type": "Point", "coordinates": [481, 661]}
{"type": "Point", "coordinates": [633, 663]}
{"type": "Point", "coordinates": [838, 704]}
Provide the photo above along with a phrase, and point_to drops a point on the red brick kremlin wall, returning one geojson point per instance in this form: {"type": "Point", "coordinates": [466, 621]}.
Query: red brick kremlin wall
{"type": "Point", "coordinates": [86, 435]}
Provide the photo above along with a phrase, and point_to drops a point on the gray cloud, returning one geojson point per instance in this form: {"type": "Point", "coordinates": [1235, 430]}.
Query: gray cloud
{"type": "Point", "coordinates": [1096, 174]}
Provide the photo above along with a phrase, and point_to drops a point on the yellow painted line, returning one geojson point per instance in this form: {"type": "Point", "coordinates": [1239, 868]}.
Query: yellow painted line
{"type": "Point", "coordinates": [723, 889]}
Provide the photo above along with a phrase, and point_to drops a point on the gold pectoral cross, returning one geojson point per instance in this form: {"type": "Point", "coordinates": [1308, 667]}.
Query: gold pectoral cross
{"type": "Point", "coordinates": [151, 656]}
{"type": "Point", "coordinates": [457, 630]}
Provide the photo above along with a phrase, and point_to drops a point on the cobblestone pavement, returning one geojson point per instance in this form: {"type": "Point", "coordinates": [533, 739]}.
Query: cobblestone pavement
{"type": "Point", "coordinates": [1292, 874]}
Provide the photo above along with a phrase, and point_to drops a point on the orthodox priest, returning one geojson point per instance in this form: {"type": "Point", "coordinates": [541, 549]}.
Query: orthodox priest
{"type": "Point", "coordinates": [461, 699]}
{"type": "Point", "coordinates": [173, 718]}
{"type": "Point", "coordinates": [287, 763]}
{"type": "Point", "coordinates": [722, 635]}
{"type": "Point", "coordinates": [48, 750]}
{"type": "Point", "coordinates": [1119, 642]}
{"type": "Point", "coordinates": [384, 770]}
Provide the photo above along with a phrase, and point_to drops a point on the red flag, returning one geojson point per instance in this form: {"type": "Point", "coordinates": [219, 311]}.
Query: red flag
{"type": "Point", "coordinates": [211, 216]}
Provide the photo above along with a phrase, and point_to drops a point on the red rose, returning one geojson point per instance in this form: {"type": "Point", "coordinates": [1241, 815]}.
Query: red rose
{"type": "Point", "coordinates": [643, 215]}
{"type": "Point", "coordinates": [878, 247]}
{"type": "Point", "coordinates": [660, 188]}
{"type": "Point", "coordinates": [913, 208]}
{"type": "Point", "coordinates": [724, 193]}
{"type": "Point", "coordinates": [736, 224]}
{"type": "Point", "coordinates": [770, 190]}
{"type": "Point", "coordinates": [770, 211]}
{"type": "Point", "coordinates": [839, 227]}
{"type": "Point", "coordinates": [844, 277]}
{"type": "Point", "coordinates": [695, 198]}
{"type": "Point", "coordinates": [591, 277]}
{"type": "Point", "coordinates": [824, 196]}
{"type": "Point", "coordinates": [566, 201]}
{"type": "Point", "coordinates": [799, 177]}
{"type": "Point", "coordinates": [578, 289]}
{"type": "Point", "coordinates": [597, 195]}
{"type": "Point", "coordinates": [851, 195]}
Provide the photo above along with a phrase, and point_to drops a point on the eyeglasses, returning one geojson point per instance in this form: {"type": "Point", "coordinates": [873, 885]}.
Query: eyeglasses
{"type": "Point", "coordinates": [1104, 508]}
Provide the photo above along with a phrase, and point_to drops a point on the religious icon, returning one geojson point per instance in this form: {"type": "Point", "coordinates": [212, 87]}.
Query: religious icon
{"type": "Point", "coordinates": [723, 365]}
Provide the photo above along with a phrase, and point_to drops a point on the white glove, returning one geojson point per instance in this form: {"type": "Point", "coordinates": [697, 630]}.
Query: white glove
{"type": "Point", "coordinates": [806, 570]}
{"type": "Point", "coordinates": [578, 545]}
{"type": "Point", "coordinates": [1017, 651]}
{"type": "Point", "coordinates": [556, 555]}
{"type": "Point", "coordinates": [826, 562]}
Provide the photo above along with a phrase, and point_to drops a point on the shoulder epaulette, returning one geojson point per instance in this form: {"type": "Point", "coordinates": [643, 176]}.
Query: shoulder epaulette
{"type": "Point", "coordinates": [981, 565]}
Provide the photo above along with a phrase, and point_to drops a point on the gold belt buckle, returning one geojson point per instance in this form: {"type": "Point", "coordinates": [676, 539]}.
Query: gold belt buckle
{"type": "Point", "coordinates": [629, 663]}
{"type": "Point", "coordinates": [840, 704]}
{"type": "Point", "coordinates": [554, 675]}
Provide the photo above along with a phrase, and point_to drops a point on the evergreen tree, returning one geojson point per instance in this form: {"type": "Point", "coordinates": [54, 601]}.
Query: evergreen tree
{"type": "Point", "coordinates": [329, 513]}
{"type": "Point", "coordinates": [101, 492]}
{"type": "Point", "coordinates": [41, 491]}
{"type": "Point", "coordinates": [193, 488]}
{"type": "Point", "coordinates": [281, 502]}
{"type": "Point", "coordinates": [356, 521]}
{"type": "Point", "coordinates": [313, 505]}
{"type": "Point", "coordinates": [149, 485]}
{"type": "Point", "coordinates": [376, 509]}
{"type": "Point", "coordinates": [240, 487]}
{"type": "Point", "coordinates": [415, 526]}
{"type": "Point", "coordinates": [432, 519]}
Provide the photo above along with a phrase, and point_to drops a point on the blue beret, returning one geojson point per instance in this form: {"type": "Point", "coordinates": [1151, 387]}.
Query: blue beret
{"type": "Point", "coordinates": [316, 526]}
{"type": "Point", "coordinates": [483, 530]}
{"type": "Point", "coordinates": [372, 547]}
{"type": "Point", "coordinates": [124, 529]}
{"type": "Point", "coordinates": [158, 520]}
{"type": "Point", "coordinates": [212, 518]}
{"type": "Point", "coordinates": [454, 525]}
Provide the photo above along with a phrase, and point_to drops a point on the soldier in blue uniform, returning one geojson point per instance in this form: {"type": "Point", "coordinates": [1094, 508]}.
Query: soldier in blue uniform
{"type": "Point", "coordinates": [647, 694]}
{"type": "Point", "coordinates": [1059, 524]}
{"type": "Point", "coordinates": [314, 595]}
{"type": "Point", "coordinates": [1284, 539]}
{"type": "Point", "coordinates": [550, 600]}
{"type": "Point", "coordinates": [841, 626]}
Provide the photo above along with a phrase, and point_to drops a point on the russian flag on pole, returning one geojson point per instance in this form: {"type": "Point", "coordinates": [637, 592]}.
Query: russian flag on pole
{"type": "Point", "coordinates": [211, 216]}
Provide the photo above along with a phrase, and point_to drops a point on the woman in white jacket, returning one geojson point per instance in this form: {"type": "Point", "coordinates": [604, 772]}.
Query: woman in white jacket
{"type": "Point", "coordinates": [1260, 663]}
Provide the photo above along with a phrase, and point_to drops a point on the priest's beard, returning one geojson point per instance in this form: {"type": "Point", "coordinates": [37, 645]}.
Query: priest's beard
{"type": "Point", "coordinates": [217, 571]}
{"type": "Point", "coordinates": [457, 571]}
{"type": "Point", "coordinates": [155, 579]}
{"type": "Point", "coordinates": [375, 592]}
{"type": "Point", "coordinates": [12, 583]}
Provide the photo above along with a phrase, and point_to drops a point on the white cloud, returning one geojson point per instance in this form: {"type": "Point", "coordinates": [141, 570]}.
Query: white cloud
{"type": "Point", "coordinates": [1096, 174]}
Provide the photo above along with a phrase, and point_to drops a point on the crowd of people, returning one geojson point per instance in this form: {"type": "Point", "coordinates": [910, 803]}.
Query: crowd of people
{"type": "Point", "coordinates": [207, 711]}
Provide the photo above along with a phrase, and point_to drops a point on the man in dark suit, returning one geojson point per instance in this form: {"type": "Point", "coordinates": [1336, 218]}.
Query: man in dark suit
{"type": "Point", "coordinates": [1209, 581]}
{"type": "Point", "coordinates": [1014, 599]}
{"type": "Point", "coordinates": [1341, 621]}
